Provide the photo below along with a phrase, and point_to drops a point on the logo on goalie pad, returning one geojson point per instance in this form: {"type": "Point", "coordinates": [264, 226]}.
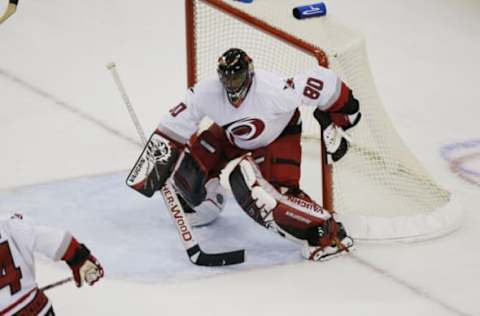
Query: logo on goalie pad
{"type": "Point", "coordinates": [306, 205]}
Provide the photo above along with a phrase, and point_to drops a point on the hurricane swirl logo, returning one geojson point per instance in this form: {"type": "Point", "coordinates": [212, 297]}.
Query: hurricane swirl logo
{"type": "Point", "coordinates": [244, 129]}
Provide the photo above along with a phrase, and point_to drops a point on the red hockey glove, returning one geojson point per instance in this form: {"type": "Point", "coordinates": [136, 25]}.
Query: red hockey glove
{"type": "Point", "coordinates": [334, 124]}
{"type": "Point", "coordinates": [85, 267]}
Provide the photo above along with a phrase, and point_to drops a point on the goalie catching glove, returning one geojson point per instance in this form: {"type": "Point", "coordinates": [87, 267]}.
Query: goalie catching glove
{"type": "Point", "coordinates": [334, 122]}
{"type": "Point", "coordinates": [85, 267]}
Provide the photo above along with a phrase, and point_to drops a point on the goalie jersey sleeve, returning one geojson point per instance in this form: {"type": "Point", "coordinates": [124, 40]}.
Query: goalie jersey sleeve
{"type": "Point", "coordinates": [183, 120]}
{"type": "Point", "coordinates": [320, 87]}
{"type": "Point", "coordinates": [19, 240]}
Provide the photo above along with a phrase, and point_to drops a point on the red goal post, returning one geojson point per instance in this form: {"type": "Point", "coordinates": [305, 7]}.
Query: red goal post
{"type": "Point", "coordinates": [380, 190]}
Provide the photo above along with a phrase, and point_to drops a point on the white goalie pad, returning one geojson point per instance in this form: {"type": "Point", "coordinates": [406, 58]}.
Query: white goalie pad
{"type": "Point", "coordinates": [297, 219]}
{"type": "Point", "coordinates": [260, 200]}
{"type": "Point", "coordinates": [208, 211]}
{"type": "Point", "coordinates": [267, 196]}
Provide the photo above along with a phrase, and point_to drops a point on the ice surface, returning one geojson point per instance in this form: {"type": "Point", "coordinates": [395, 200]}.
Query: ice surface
{"type": "Point", "coordinates": [66, 142]}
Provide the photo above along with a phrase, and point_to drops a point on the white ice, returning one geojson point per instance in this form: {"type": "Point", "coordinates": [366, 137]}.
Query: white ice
{"type": "Point", "coordinates": [67, 142]}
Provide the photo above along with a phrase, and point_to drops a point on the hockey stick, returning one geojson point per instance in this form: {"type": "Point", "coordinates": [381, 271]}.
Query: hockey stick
{"type": "Point", "coordinates": [55, 284]}
{"type": "Point", "coordinates": [12, 7]}
{"type": "Point", "coordinates": [194, 252]}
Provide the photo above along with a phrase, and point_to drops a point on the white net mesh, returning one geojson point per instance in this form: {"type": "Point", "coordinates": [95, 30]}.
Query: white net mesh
{"type": "Point", "coordinates": [381, 190]}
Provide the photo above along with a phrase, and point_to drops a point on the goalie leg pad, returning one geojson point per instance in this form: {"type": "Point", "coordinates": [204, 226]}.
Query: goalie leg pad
{"type": "Point", "coordinates": [251, 197]}
{"type": "Point", "coordinates": [293, 217]}
{"type": "Point", "coordinates": [262, 201]}
{"type": "Point", "coordinates": [155, 164]}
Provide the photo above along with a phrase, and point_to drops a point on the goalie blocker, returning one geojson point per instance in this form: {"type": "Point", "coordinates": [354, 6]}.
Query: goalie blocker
{"type": "Point", "coordinates": [151, 173]}
{"type": "Point", "coordinates": [202, 200]}
{"type": "Point", "coordinates": [155, 164]}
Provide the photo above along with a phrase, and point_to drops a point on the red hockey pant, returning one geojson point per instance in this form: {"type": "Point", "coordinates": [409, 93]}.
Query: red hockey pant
{"type": "Point", "coordinates": [279, 162]}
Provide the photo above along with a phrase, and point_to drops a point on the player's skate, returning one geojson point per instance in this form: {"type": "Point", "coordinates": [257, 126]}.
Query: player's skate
{"type": "Point", "coordinates": [340, 244]}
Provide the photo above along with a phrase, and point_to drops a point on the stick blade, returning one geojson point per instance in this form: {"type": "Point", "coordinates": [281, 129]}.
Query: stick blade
{"type": "Point", "coordinates": [198, 257]}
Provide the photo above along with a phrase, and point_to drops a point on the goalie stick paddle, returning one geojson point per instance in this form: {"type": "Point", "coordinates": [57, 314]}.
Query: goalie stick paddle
{"type": "Point", "coordinates": [11, 8]}
{"type": "Point", "coordinates": [194, 252]}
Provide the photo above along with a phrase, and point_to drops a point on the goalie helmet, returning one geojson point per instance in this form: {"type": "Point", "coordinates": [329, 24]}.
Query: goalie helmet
{"type": "Point", "coordinates": [235, 71]}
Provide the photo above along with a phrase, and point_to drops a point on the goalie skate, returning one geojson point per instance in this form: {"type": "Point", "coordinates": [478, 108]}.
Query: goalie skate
{"type": "Point", "coordinates": [340, 245]}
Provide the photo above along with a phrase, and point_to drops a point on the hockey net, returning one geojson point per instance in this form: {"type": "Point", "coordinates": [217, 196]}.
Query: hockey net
{"type": "Point", "coordinates": [380, 190]}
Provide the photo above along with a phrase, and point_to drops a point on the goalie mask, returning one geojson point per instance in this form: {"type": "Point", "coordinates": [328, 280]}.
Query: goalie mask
{"type": "Point", "coordinates": [235, 71]}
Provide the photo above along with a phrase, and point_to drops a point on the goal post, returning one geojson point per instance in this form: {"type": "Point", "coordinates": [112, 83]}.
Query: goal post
{"type": "Point", "coordinates": [379, 189]}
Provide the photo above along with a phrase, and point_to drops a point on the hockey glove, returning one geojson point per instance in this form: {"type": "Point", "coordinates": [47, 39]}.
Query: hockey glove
{"type": "Point", "coordinates": [155, 164]}
{"type": "Point", "coordinates": [85, 267]}
{"type": "Point", "coordinates": [327, 241]}
{"type": "Point", "coordinates": [333, 127]}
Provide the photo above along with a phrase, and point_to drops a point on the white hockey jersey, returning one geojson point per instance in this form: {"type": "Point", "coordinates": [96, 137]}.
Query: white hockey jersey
{"type": "Point", "coordinates": [264, 113]}
{"type": "Point", "coordinates": [19, 239]}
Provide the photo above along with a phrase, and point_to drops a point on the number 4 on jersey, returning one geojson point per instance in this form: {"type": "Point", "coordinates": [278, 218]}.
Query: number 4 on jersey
{"type": "Point", "coordinates": [9, 274]}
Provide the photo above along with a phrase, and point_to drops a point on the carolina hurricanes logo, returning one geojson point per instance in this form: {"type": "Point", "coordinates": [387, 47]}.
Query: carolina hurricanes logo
{"type": "Point", "coordinates": [244, 129]}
